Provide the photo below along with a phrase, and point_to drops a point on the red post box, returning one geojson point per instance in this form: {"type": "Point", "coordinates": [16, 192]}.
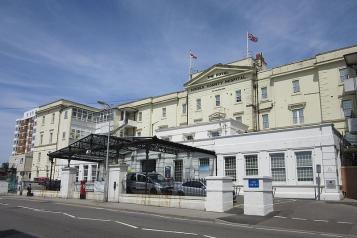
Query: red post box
{"type": "Point", "coordinates": [82, 192]}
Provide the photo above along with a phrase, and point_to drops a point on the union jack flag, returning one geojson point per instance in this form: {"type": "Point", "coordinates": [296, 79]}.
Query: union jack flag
{"type": "Point", "coordinates": [193, 56]}
{"type": "Point", "coordinates": [252, 37]}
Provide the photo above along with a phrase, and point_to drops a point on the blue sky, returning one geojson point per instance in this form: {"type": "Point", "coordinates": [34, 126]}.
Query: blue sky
{"type": "Point", "coordinates": [124, 50]}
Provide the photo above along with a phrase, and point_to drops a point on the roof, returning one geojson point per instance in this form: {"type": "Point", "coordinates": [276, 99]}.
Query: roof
{"type": "Point", "coordinates": [93, 148]}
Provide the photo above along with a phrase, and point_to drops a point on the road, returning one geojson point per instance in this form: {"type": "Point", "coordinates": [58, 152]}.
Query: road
{"type": "Point", "coordinates": [41, 218]}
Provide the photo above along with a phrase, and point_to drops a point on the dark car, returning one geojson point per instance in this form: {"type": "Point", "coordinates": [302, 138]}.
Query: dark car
{"type": "Point", "coordinates": [155, 183]}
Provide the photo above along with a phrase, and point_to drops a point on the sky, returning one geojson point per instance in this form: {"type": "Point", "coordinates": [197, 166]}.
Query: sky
{"type": "Point", "coordinates": [118, 51]}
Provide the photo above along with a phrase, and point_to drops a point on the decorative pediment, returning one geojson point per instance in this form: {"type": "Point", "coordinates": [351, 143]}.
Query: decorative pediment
{"type": "Point", "coordinates": [217, 116]}
{"type": "Point", "coordinates": [216, 73]}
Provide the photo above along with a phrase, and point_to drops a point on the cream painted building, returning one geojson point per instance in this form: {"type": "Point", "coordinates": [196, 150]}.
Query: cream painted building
{"type": "Point", "coordinates": [306, 92]}
{"type": "Point", "coordinates": [61, 123]}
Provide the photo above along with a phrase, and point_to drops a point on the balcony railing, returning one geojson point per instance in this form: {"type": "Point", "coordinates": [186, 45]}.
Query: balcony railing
{"type": "Point", "coordinates": [352, 125]}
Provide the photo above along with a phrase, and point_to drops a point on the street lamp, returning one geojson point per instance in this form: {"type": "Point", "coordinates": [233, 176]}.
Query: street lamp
{"type": "Point", "coordinates": [106, 184]}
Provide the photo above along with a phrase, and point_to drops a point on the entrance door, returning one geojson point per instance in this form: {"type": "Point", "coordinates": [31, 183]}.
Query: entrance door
{"type": "Point", "coordinates": [178, 170]}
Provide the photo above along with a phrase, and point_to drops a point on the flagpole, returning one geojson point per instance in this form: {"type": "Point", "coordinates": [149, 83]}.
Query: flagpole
{"type": "Point", "coordinates": [190, 66]}
{"type": "Point", "coordinates": [247, 44]}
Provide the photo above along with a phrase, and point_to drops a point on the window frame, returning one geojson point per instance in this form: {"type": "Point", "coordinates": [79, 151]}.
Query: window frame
{"type": "Point", "coordinates": [184, 108]}
{"type": "Point", "coordinates": [217, 99]}
{"type": "Point", "coordinates": [276, 168]}
{"type": "Point", "coordinates": [311, 166]}
{"type": "Point", "coordinates": [298, 119]}
{"type": "Point", "coordinates": [264, 93]}
{"type": "Point", "coordinates": [198, 104]}
{"type": "Point", "coordinates": [296, 86]}
{"type": "Point", "coordinates": [230, 168]}
{"type": "Point", "coordinates": [238, 95]}
{"type": "Point", "coordinates": [265, 121]}
{"type": "Point", "coordinates": [163, 112]}
{"type": "Point", "coordinates": [251, 168]}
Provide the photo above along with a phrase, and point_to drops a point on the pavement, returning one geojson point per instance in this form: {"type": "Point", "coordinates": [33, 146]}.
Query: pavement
{"type": "Point", "coordinates": [292, 217]}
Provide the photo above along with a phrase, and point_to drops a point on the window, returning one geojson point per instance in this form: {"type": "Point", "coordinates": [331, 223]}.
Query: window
{"type": "Point", "coordinates": [140, 116]}
{"type": "Point", "coordinates": [304, 166]}
{"type": "Point", "coordinates": [53, 118]}
{"type": "Point", "coordinates": [215, 134]}
{"type": "Point", "coordinates": [238, 96]}
{"type": "Point", "coordinates": [43, 120]}
{"type": "Point", "coordinates": [198, 104]}
{"type": "Point", "coordinates": [278, 166]}
{"type": "Point", "coordinates": [39, 157]}
{"type": "Point", "coordinates": [347, 108]}
{"type": "Point", "coordinates": [21, 160]}
{"type": "Point", "coordinates": [65, 114]}
{"type": "Point", "coordinates": [188, 137]}
{"type": "Point", "coordinates": [184, 108]}
{"type": "Point", "coordinates": [85, 172]}
{"type": "Point", "coordinates": [178, 170]}
{"type": "Point", "coordinates": [230, 166]}
{"type": "Point", "coordinates": [251, 165]}
{"type": "Point", "coordinates": [298, 116]}
{"type": "Point", "coordinates": [63, 135]}
{"type": "Point", "coordinates": [51, 137]}
{"type": "Point", "coordinates": [77, 173]}
{"type": "Point", "coordinates": [264, 91]}
{"type": "Point", "coordinates": [345, 73]}
{"type": "Point", "coordinates": [94, 172]}
{"type": "Point", "coordinates": [204, 165]}
{"type": "Point", "coordinates": [296, 86]}
{"type": "Point", "coordinates": [73, 133]}
{"type": "Point", "coordinates": [41, 139]}
{"type": "Point", "coordinates": [265, 121]}
{"type": "Point", "coordinates": [239, 118]}
{"type": "Point", "coordinates": [164, 112]}
{"type": "Point", "coordinates": [218, 100]}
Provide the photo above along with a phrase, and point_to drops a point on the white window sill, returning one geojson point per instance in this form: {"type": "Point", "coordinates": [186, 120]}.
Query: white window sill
{"type": "Point", "coordinates": [238, 103]}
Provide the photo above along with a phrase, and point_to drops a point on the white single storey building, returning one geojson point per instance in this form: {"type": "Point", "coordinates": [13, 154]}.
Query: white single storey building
{"type": "Point", "coordinates": [289, 155]}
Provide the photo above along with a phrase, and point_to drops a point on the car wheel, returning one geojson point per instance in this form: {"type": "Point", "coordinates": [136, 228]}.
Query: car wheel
{"type": "Point", "coordinates": [180, 193]}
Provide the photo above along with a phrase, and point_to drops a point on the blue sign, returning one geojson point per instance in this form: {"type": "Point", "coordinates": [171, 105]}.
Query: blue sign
{"type": "Point", "coordinates": [253, 183]}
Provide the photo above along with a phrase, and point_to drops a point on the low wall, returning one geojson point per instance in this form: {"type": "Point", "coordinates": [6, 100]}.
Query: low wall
{"type": "Point", "coordinates": [197, 203]}
{"type": "Point", "coordinates": [4, 187]}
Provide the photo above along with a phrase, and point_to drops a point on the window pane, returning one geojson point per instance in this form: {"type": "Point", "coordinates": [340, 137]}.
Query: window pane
{"type": "Point", "coordinates": [238, 96]}
{"type": "Point", "coordinates": [230, 166]}
{"type": "Point", "coordinates": [278, 166]}
{"type": "Point", "coordinates": [264, 92]}
{"type": "Point", "coordinates": [251, 165]}
{"type": "Point", "coordinates": [296, 86]}
{"type": "Point", "coordinates": [265, 121]}
{"type": "Point", "coordinates": [218, 100]}
{"type": "Point", "coordinates": [304, 166]}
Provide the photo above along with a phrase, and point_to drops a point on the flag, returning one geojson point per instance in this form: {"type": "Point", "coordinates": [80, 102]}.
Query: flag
{"type": "Point", "coordinates": [193, 56]}
{"type": "Point", "coordinates": [252, 37]}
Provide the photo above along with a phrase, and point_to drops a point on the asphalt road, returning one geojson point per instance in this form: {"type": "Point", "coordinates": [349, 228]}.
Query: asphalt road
{"type": "Point", "coordinates": [31, 218]}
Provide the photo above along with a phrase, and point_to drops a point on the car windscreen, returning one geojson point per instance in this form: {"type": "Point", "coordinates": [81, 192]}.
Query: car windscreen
{"type": "Point", "coordinates": [157, 178]}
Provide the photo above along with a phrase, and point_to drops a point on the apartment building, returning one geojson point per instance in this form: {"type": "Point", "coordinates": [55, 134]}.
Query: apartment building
{"type": "Point", "coordinates": [59, 124]}
{"type": "Point", "coordinates": [23, 144]}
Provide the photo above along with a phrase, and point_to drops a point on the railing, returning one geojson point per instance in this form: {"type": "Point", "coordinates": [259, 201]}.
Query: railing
{"type": "Point", "coordinates": [350, 85]}
{"type": "Point", "coordinates": [315, 187]}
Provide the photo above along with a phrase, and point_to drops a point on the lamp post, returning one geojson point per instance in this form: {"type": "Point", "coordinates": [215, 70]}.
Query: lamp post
{"type": "Point", "coordinates": [106, 184]}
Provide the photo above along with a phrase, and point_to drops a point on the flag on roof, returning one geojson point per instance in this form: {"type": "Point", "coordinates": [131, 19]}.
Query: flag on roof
{"type": "Point", "coordinates": [252, 37]}
{"type": "Point", "coordinates": [193, 56]}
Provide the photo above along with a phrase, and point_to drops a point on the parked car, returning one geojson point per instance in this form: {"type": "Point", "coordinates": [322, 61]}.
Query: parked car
{"type": "Point", "coordinates": [155, 182]}
{"type": "Point", "coordinates": [194, 188]}
{"type": "Point", "coordinates": [190, 188]}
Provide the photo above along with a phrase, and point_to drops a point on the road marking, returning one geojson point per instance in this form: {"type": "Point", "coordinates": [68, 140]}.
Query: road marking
{"type": "Point", "coordinates": [69, 215]}
{"type": "Point", "coordinates": [321, 220]}
{"type": "Point", "coordinates": [280, 217]}
{"type": "Point", "coordinates": [166, 231]}
{"type": "Point", "coordinates": [298, 231]}
{"type": "Point", "coordinates": [285, 201]}
{"type": "Point", "coordinates": [5, 204]}
{"type": "Point", "coordinates": [300, 219]}
{"type": "Point", "coordinates": [93, 219]}
{"type": "Point", "coordinates": [126, 224]}
{"type": "Point", "coordinates": [345, 222]}
{"type": "Point", "coordinates": [209, 236]}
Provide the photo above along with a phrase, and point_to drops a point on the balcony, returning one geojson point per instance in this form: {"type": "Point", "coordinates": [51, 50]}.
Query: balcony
{"type": "Point", "coordinates": [350, 85]}
{"type": "Point", "coordinates": [352, 125]}
{"type": "Point", "coordinates": [128, 123]}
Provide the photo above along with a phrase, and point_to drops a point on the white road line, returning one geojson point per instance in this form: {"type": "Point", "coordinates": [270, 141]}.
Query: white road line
{"type": "Point", "coordinates": [126, 224]}
{"type": "Point", "coordinates": [299, 232]}
{"type": "Point", "coordinates": [300, 219]}
{"type": "Point", "coordinates": [280, 217]}
{"type": "Point", "coordinates": [93, 219]}
{"type": "Point", "coordinates": [321, 220]}
{"type": "Point", "coordinates": [345, 222]}
{"type": "Point", "coordinates": [5, 204]}
{"type": "Point", "coordinates": [69, 215]}
{"type": "Point", "coordinates": [176, 232]}
{"type": "Point", "coordinates": [209, 236]}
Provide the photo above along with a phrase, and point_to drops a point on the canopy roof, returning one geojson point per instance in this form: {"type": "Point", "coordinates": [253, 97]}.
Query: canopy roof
{"type": "Point", "coordinates": [93, 148]}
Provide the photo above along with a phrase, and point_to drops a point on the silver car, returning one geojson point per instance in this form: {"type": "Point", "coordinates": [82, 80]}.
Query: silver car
{"type": "Point", "coordinates": [191, 188]}
{"type": "Point", "coordinates": [154, 184]}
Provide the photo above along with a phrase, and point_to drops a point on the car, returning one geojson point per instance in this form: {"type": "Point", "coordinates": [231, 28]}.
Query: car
{"type": "Point", "coordinates": [191, 188]}
{"type": "Point", "coordinates": [154, 183]}
{"type": "Point", "coordinates": [194, 188]}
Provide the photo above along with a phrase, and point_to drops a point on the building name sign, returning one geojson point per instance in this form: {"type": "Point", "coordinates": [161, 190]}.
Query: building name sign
{"type": "Point", "coordinates": [253, 183]}
{"type": "Point", "coordinates": [218, 83]}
